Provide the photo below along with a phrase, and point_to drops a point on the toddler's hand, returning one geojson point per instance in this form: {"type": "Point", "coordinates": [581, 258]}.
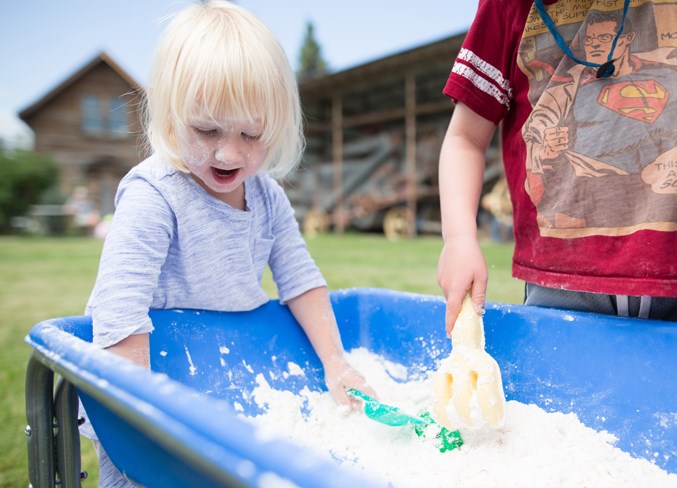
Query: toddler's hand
{"type": "Point", "coordinates": [341, 376]}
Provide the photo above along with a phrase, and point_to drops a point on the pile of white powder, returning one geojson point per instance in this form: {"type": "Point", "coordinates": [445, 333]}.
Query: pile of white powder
{"type": "Point", "coordinates": [533, 449]}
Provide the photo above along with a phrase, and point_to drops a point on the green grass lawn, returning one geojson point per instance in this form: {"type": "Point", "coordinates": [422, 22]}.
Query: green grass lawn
{"type": "Point", "coordinates": [42, 278]}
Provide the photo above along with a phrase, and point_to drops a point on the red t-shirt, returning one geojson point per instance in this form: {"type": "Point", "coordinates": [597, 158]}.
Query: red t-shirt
{"type": "Point", "coordinates": [591, 163]}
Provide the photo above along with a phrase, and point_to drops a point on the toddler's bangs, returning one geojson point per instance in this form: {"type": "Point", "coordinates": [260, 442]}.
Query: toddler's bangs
{"type": "Point", "coordinates": [243, 84]}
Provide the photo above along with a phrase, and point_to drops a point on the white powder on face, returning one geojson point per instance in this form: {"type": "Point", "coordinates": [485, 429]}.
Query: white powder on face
{"type": "Point", "coordinates": [533, 449]}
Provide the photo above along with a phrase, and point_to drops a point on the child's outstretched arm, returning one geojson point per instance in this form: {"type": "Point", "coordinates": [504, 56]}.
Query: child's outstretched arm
{"type": "Point", "coordinates": [461, 265]}
{"type": "Point", "coordinates": [313, 311]}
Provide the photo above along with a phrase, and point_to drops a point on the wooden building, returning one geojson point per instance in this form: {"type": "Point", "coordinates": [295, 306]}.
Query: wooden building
{"type": "Point", "coordinates": [374, 136]}
{"type": "Point", "coordinates": [90, 125]}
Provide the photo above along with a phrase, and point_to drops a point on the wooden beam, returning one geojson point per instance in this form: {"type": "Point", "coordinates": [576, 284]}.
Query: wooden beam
{"type": "Point", "coordinates": [337, 157]}
{"type": "Point", "coordinates": [410, 148]}
{"type": "Point", "coordinates": [374, 117]}
{"type": "Point", "coordinates": [383, 116]}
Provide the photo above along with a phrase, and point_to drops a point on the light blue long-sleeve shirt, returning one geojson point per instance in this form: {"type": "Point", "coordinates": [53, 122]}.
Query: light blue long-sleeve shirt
{"type": "Point", "coordinates": [173, 245]}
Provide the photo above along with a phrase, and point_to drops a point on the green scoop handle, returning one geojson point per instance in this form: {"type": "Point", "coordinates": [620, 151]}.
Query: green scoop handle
{"type": "Point", "coordinates": [424, 426]}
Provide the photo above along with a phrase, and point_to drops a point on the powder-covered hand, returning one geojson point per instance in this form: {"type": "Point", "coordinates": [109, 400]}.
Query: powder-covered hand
{"type": "Point", "coordinates": [341, 376]}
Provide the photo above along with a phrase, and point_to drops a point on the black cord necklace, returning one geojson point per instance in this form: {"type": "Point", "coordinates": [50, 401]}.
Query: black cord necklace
{"type": "Point", "coordinates": [603, 70]}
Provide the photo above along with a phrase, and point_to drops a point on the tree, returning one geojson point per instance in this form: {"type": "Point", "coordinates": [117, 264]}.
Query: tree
{"type": "Point", "coordinates": [24, 177]}
{"type": "Point", "coordinates": [311, 62]}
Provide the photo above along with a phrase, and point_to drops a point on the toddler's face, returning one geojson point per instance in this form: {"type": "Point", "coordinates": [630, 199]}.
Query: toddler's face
{"type": "Point", "coordinates": [222, 154]}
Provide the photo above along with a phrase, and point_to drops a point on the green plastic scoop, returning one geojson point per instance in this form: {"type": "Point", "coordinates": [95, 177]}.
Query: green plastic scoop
{"type": "Point", "coordinates": [424, 426]}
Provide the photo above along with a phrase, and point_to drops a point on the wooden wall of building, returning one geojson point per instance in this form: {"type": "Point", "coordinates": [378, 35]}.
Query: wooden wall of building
{"type": "Point", "coordinates": [97, 161]}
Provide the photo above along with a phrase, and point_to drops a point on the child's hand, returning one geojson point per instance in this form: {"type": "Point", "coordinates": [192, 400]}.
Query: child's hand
{"type": "Point", "coordinates": [462, 268]}
{"type": "Point", "coordinates": [341, 376]}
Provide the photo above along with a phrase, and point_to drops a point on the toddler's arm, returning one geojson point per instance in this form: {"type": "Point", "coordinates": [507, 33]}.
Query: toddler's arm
{"type": "Point", "coordinates": [136, 348]}
{"type": "Point", "coordinates": [461, 265]}
{"type": "Point", "coordinates": [313, 311]}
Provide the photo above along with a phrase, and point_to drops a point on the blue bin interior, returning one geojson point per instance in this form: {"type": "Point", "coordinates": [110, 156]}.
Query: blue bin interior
{"type": "Point", "coordinates": [615, 374]}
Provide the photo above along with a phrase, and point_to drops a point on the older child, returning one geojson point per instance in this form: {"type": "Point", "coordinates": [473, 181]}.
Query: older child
{"type": "Point", "coordinates": [584, 93]}
{"type": "Point", "coordinates": [198, 221]}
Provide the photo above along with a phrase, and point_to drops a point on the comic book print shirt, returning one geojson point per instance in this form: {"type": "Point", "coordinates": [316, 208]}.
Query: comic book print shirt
{"type": "Point", "coordinates": [591, 162]}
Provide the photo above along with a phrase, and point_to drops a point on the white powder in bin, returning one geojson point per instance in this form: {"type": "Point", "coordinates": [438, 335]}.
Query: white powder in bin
{"type": "Point", "coordinates": [534, 448]}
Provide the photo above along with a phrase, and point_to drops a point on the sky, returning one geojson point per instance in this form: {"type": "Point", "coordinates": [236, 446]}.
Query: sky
{"type": "Point", "coordinates": [42, 42]}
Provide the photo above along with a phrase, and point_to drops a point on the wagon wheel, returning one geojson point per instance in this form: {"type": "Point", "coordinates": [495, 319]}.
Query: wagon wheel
{"type": "Point", "coordinates": [397, 223]}
{"type": "Point", "coordinates": [315, 222]}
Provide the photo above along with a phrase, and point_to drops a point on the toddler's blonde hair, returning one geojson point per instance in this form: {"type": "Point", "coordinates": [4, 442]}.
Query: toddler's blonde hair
{"type": "Point", "coordinates": [217, 60]}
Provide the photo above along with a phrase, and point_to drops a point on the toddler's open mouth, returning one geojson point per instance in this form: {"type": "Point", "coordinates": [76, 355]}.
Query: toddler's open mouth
{"type": "Point", "coordinates": [224, 175]}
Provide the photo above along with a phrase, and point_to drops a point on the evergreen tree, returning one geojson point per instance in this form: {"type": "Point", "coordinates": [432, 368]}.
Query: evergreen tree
{"type": "Point", "coordinates": [311, 62]}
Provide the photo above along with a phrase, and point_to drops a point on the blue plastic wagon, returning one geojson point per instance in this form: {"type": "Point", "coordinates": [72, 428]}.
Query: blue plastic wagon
{"type": "Point", "coordinates": [176, 427]}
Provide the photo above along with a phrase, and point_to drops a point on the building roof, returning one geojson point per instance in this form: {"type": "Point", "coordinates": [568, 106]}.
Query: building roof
{"type": "Point", "coordinates": [102, 57]}
{"type": "Point", "coordinates": [398, 63]}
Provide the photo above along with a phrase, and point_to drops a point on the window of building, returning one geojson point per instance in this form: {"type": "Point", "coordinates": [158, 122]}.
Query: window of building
{"type": "Point", "coordinates": [92, 120]}
{"type": "Point", "coordinates": [104, 116]}
{"type": "Point", "coordinates": [117, 117]}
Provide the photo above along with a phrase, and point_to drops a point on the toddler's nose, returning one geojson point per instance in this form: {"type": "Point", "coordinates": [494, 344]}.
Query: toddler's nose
{"type": "Point", "coordinates": [227, 151]}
